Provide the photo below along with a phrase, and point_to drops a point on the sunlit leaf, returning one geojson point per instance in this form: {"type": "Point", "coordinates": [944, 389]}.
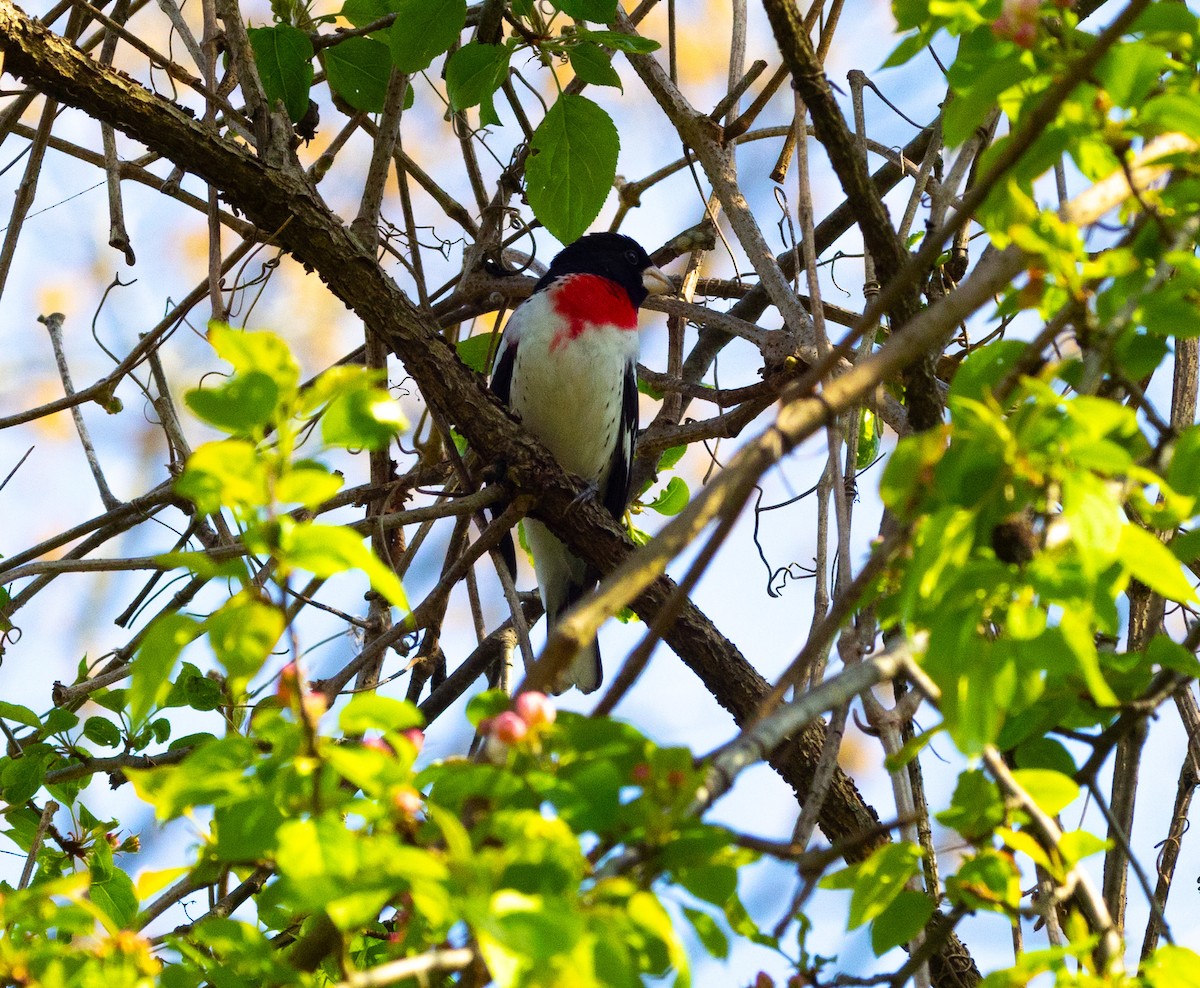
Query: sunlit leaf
{"type": "Point", "coordinates": [326, 550]}
{"type": "Point", "coordinates": [155, 659]}
{"type": "Point", "coordinates": [1052, 791]}
{"type": "Point", "coordinates": [1153, 563]}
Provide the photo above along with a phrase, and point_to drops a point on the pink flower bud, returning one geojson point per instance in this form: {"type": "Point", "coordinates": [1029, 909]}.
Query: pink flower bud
{"type": "Point", "coordinates": [641, 773]}
{"type": "Point", "coordinates": [289, 680]}
{"type": "Point", "coordinates": [416, 737]}
{"type": "Point", "coordinates": [1025, 35]}
{"type": "Point", "coordinates": [1018, 22]}
{"type": "Point", "coordinates": [380, 745]}
{"type": "Point", "coordinates": [508, 728]}
{"type": "Point", "coordinates": [536, 709]}
{"type": "Point", "coordinates": [408, 801]}
{"type": "Point", "coordinates": [315, 706]}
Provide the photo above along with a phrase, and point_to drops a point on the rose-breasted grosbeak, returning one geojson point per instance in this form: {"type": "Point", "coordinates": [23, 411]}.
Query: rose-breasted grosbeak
{"type": "Point", "coordinates": [567, 366]}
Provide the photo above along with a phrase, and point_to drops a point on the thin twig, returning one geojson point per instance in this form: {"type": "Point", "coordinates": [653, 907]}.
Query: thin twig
{"type": "Point", "coordinates": [54, 324]}
{"type": "Point", "coordinates": [35, 845]}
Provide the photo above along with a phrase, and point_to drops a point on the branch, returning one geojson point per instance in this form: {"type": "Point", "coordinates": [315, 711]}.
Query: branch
{"type": "Point", "coordinates": [772, 732]}
{"type": "Point", "coordinates": [411, 967]}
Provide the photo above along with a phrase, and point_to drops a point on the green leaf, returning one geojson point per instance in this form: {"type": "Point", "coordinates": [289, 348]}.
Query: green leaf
{"type": "Point", "coordinates": [360, 13]}
{"type": "Point", "coordinates": [284, 57]}
{"type": "Point", "coordinates": [592, 800]}
{"type": "Point", "coordinates": [900, 921]}
{"type": "Point", "coordinates": [672, 499]}
{"type": "Point", "coordinates": [1150, 561]}
{"type": "Point", "coordinates": [259, 351]}
{"type": "Point", "coordinates": [474, 351]}
{"type": "Point", "coordinates": [877, 881]}
{"type": "Point", "coordinates": [1172, 967]}
{"type": "Point", "coordinates": [596, 11]}
{"type": "Point", "coordinates": [1169, 312]}
{"type": "Point", "coordinates": [22, 715]}
{"type": "Point", "coordinates": [358, 70]}
{"type": "Point", "coordinates": [150, 672]}
{"type": "Point", "coordinates": [1130, 70]}
{"type": "Point", "coordinates": [1075, 845]}
{"type": "Point", "coordinates": [1173, 112]}
{"type": "Point", "coordinates": [593, 64]}
{"type": "Point", "coordinates": [243, 405]}
{"type": "Point", "coordinates": [242, 634]}
{"type": "Point", "coordinates": [423, 30]}
{"type": "Point", "coordinates": [571, 167]}
{"type": "Point", "coordinates": [1186, 546]}
{"type": "Point", "coordinates": [484, 706]}
{"type": "Point", "coordinates": [976, 809]}
{"type": "Point", "coordinates": [308, 483]}
{"type": "Point", "coordinates": [908, 475]}
{"type": "Point", "coordinates": [1080, 639]}
{"type": "Point", "coordinates": [57, 721]}
{"type": "Point", "coordinates": [712, 883]}
{"type": "Point", "coordinates": [193, 689]}
{"type": "Point", "coordinates": [869, 438]}
{"type": "Point", "coordinates": [203, 565]}
{"type": "Point", "coordinates": [1166, 19]}
{"type": "Point", "coordinates": [103, 731]}
{"type": "Point", "coordinates": [987, 880]}
{"type": "Point", "coordinates": [708, 932]}
{"type": "Point", "coordinates": [978, 77]}
{"type": "Point", "coordinates": [1168, 654]}
{"type": "Point", "coordinates": [1045, 753]}
{"type": "Point", "coordinates": [1052, 791]}
{"type": "Point", "coordinates": [21, 777]}
{"type": "Point", "coordinates": [372, 712]}
{"type": "Point", "coordinates": [1139, 353]}
{"type": "Point", "coordinates": [114, 896]}
{"type": "Point", "coordinates": [1183, 474]}
{"type": "Point", "coordinates": [326, 550]}
{"type": "Point", "coordinates": [214, 774]}
{"type": "Point", "coordinates": [245, 831]}
{"type": "Point", "coordinates": [629, 43]}
{"type": "Point", "coordinates": [224, 474]}
{"type": "Point", "coordinates": [362, 416]}
{"type": "Point", "coordinates": [671, 456]}
{"type": "Point", "coordinates": [473, 74]}
{"type": "Point", "coordinates": [984, 368]}
{"type": "Point", "coordinates": [909, 46]}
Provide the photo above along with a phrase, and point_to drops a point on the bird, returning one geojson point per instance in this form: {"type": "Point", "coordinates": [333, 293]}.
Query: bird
{"type": "Point", "coordinates": [566, 367]}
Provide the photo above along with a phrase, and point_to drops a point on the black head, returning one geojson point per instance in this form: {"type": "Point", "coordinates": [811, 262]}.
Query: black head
{"type": "Point", "coordinates": [611, 255]}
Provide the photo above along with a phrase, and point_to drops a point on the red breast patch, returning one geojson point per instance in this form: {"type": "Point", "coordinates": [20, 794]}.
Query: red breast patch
{"type": "Point", "coordinates": [584, 301]}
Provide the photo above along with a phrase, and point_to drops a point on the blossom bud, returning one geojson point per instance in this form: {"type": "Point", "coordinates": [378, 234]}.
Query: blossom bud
{"type": "Point", "coordinates": [536, 709]}
{"type": "Point", "coordinates": [408, 801]}
{"type": "Point", "coordinates": [508, 728]}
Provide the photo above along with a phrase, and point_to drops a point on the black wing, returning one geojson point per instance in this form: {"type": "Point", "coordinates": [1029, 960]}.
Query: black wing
{"type": "Point", "coordinates": [503, 371]}
{"type": "Point", "coordinates": [620, 476]}
{"type": "Point", "coordinates": [501, 386]}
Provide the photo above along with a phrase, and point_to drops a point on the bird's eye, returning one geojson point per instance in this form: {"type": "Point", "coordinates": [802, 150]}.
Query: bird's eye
{"type": "Point", "coordinates": [632, 257]}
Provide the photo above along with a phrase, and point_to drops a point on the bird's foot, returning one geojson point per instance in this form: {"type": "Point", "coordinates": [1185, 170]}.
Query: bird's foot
{"type": "Point", "coordinates": [589, 493]}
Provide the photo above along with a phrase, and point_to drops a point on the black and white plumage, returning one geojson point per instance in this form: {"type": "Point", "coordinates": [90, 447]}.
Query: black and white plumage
{"type": "Point", "coordinates": [567, 366]}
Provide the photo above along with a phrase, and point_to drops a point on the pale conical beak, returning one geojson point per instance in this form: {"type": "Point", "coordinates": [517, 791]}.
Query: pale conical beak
{"type": "Point", "coordinates": [655, 282]}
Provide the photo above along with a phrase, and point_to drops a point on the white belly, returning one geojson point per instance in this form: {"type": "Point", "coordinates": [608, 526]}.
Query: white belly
{"type": "Point", "coordinates": [570, 396]}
